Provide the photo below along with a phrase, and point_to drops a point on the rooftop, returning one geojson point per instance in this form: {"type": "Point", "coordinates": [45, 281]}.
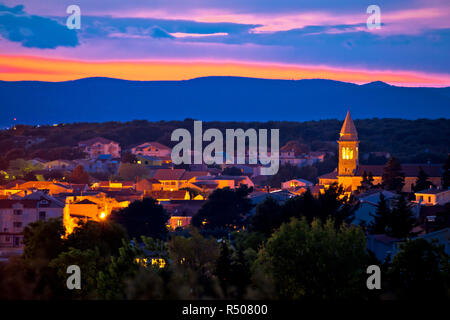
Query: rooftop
{"type": "Point", "coordinates": [348, 131]}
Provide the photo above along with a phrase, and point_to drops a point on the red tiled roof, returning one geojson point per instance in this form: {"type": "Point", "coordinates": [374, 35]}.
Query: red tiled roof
{"type": "Point", "coordinates": [163, 194]}
{"type": "Point", "coordinates": [188, 175]}
{"type": "Point", "coordinates": [43, 184]}
{"type": "Point", "coordinates": [169, 174]}
{"type": "Point", "coordinates": [14, 183]}
{"type": "Point", "coordinates": [154, 144]}
{"type": "Point", "coordinates": [152, 180]}
{"type": "Point", "coordinates": [331, 175]}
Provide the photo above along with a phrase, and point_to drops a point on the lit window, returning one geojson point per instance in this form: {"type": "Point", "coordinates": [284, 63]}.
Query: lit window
{"type": "Point", "coordinates": [347, 153]}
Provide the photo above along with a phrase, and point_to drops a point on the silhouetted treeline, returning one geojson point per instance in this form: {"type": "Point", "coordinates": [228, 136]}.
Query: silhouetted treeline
{"type": "Point", "coordinates": [417, 141]}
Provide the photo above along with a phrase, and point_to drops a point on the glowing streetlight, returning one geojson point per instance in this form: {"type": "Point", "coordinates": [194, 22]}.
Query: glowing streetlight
{"type": "Point", "coordinates": [102, 215]}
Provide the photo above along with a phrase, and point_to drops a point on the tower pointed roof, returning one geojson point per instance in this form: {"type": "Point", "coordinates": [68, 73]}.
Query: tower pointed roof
{"type": "Point", "coordinates": [348, 131]}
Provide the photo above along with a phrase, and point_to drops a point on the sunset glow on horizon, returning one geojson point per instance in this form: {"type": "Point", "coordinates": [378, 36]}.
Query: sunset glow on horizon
{"type": "Point", "coordinates": [23, 68]}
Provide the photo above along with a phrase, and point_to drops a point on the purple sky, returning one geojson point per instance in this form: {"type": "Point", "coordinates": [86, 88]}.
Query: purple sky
{"type": "Point", "coordinates": [414, 37]}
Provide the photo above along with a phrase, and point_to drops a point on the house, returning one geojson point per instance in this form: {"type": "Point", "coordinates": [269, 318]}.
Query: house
{"type": "Point", "coordinates": [150, 184]}
{"type": "Point", "coordinates": [98, 146]}
{"type": "Point", "coordinates": [175, 179]}
{"type": "Point", "coordinates": [279, 196]}
{"type": "Point", "coordinates": [38, 162]}
{"type": "Point", "coordinates": [59, 165]}
{"type": "Point", "coordinates": [102, 164]}
{"type": "Point", "coordinates": [16, 214]}
{"type": "Point", "coordinates": [349, 172]}
{"type": "Point", "coordinates": [383, 246]}
{"type": "Point", "coordinates": [152, 149]}
{"type": "Point", "coordinates": [150, 161]}
{"type": "Point", "coordinates": [179, 222]}
{"type": "Point", "coordinates": [368, 202]}
{"type": "Point", "coordinates": [53, 188]}
{"type": "Point", "coordinates": [165, 195]}
{"type": "Point", "coordinates": [294, 183]}
{"type": "Point", "coordinates": [181, 212]}
{"type": "Point", "coordinates": [89, 207]}
{"type": "Point", "coordinates": [433, 197]}
{"type": "Point", "coordinates": [435, 217]}
{"type": "Point", "coordinates": [205, 183]}
{"type": "Point", "coordinates": [112, 185]}
{"type": "Point", "coordinates": [170, 178]}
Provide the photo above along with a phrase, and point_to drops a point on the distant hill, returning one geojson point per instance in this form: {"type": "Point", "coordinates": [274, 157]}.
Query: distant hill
{"type": "Point", "coordinates": [214, 98]}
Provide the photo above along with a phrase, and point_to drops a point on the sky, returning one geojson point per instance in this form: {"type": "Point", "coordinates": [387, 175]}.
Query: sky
{"type": "Point", "coordinates": [182, 39]}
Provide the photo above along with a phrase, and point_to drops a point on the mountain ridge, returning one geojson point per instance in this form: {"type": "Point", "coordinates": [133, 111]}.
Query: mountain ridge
{"type": "Point", "coordinates": [100, 99]}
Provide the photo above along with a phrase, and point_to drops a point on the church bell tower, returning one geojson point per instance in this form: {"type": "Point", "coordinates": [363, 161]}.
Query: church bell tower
{"type": "Point", "coordinates": [348, 148]}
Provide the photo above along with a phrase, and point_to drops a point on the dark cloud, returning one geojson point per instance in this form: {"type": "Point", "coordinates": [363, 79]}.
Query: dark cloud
{"type": "Point", "coordinates": [34, 31]}
{"type": "Point", "coordinates": [16, 10]}
{"type": "Point", "coordinates": [104, 26]}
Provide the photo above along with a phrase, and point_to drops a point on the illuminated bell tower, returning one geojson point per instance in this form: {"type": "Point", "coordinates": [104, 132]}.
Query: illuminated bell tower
{"type": "Point", "coordinates": [348, 148]}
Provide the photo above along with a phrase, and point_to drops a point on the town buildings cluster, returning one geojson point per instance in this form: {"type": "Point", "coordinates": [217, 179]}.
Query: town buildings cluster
{"type": "Point", "coordinates": [183, 191]}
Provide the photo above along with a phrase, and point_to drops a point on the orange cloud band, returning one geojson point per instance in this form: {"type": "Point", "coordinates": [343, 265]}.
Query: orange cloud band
{"type": "Point", "coordinates": [15, 68]}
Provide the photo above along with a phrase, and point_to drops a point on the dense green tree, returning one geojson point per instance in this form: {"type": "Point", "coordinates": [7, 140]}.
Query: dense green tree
{"type": "Point", "coordinates": [393, 177]}
{"type": "Point", "coordinates": [335, 203]}
{"type": "Point", "coordinates": [132, 171]}
{"type": "Point", "coordinates": [43, 239]}
{"type": "Point", "coordinates": [223, 266]}
{"type": "Point", "coordinates": [446, 174]}
{"type": "Point", "coordinates": [105, 235]}
{"type": "Point", "coordinates": [30, 176]}
{"type": "Point", "coordinates": [21, 167]}
{"type": "Point", "coordinates": [224, 208]}
{"type": "Point", "coordinates": [381, 218]}
{"type": "Point", "coordinates": [54, 175]}
{"type": "Point", "coordinates": [111, 282]}
{"type": "Point", "coordinates": [304, 205]}
{"type": "Point", "coordinates": [59, 153]}
{"type": "Point", "coordinates": [316, 261]}
{"type": "Point", "coordinates": [421, 269]}
{"type": "Point", "coordinates": [367, 182]}
{"type": "Point", "coordinates": [422, 182]}
{"type": "Point", "coordinates": [79, 175]}
{"type": "Point", "coordinates": [401, 221]}
{"type": "Point", "coordinates": [233, 271]}
{"type": "Point", "coordinates": [128, 157]}
{"type": "Point", "coordinates": [332, 203]}
{"type": "Point", "coordinates": [4, 164]}
{"type": "Point", "coordinates": [143, 218]}
{"type": "Point", "coordinates": [249, 240]}
{"type": "Point", "coordinates": [90, 263]}
{"type": "Point", "coordinates": [15, 153]}
{"type": "Point", "coordinates": [240, 273]}
{"type": "Point", "coordinates": [194, 259]}
{"type": "Point", "coordinates": [267, 217]}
